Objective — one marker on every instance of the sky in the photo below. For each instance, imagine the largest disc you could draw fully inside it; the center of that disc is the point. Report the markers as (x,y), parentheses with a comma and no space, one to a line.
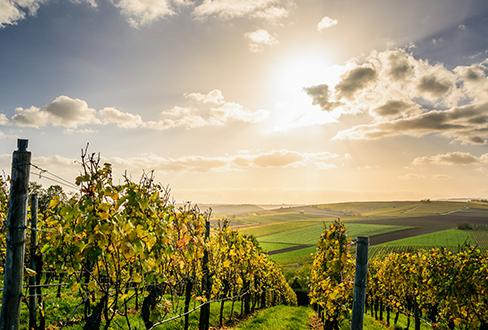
(253,101)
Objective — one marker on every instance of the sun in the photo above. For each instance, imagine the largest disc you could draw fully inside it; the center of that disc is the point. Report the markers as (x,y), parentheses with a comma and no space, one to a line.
(299,70)
(289,77)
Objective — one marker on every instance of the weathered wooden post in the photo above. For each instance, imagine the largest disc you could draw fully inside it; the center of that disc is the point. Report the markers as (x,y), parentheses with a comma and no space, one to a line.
(33,251)
(204,323)
(14,262)
(360,283)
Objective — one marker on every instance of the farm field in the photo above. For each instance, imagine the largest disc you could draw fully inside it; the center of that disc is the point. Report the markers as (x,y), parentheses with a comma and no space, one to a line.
(289,234)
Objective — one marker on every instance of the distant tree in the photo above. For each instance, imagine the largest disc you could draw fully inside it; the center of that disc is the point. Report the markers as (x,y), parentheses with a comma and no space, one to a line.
(44,196)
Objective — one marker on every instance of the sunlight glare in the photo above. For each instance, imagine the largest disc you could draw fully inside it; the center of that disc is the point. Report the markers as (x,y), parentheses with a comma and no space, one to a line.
(290,77)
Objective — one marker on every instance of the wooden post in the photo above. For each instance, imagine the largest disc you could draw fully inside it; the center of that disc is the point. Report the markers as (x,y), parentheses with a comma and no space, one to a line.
(360,283)
(33,256)
(14,262)
(204,323)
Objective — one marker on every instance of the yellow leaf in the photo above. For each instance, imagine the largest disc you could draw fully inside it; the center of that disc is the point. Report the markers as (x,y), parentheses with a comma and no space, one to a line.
(137,278)
(29,272)
(75,287)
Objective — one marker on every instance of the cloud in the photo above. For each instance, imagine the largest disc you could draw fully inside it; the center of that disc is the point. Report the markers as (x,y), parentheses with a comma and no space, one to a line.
(112,116)
(401,65)
(194,163)
(355,80)
(465,124)
(63,111)
(3,119)
(435,85)
(12,11)
(451,158)
(199,110)
(229,9)
(325,23)
(209,109)
(396,109)
(139,13)
(143,12)
(260,39)
(320,96)
(213,97)
(405,95)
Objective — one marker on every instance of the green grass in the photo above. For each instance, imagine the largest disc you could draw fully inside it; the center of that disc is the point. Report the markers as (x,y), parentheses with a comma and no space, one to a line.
(296,318)
(444,238)
(310,234)
(275,228)
(480,237)
(58,310)
(371,324)
(271,246)
(279,318)
(298,257)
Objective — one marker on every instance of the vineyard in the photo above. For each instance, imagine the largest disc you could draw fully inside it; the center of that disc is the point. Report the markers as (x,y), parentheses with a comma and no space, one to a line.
(446,289)
(125,256)
(124,253)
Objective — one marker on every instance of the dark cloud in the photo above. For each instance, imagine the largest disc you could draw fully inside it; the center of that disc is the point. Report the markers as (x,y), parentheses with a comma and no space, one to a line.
(394,108)
(434,85)
(465,124)
(400,67)
(355,80)
(320,96)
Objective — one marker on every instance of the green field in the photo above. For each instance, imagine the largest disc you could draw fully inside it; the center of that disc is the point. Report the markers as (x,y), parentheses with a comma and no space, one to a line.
(310,234)
(444,238)
(301,225)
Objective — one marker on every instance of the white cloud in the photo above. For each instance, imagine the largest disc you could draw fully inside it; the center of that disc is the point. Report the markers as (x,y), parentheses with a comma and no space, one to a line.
(139,13)
(196,163)
(199,110)
(3,119)
(228,9)
(325,23)
(63,111)
(260,39)
(12,11)
(112,116)
(214,97)
(144,12)
(409,96)
(209,109)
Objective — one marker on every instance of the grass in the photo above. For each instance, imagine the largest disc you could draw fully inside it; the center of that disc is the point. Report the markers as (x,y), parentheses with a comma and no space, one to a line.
(294,257)
(58,310)
(271,246)
(297,318)
(444,238)
(310,234)
(279,318)
(276,228)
